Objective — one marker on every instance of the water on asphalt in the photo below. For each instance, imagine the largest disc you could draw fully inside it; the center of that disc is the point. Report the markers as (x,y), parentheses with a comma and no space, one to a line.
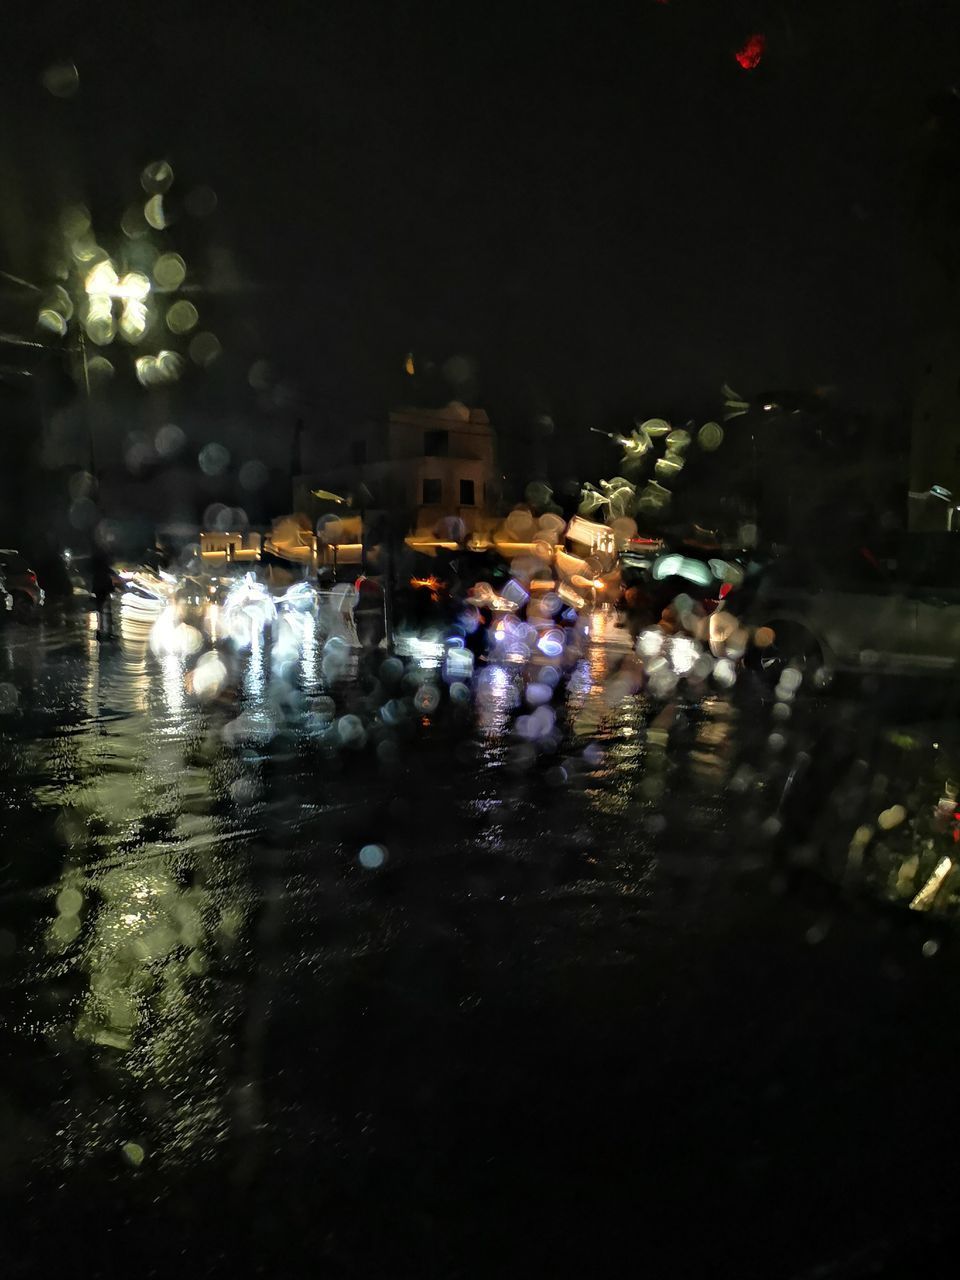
(291,987)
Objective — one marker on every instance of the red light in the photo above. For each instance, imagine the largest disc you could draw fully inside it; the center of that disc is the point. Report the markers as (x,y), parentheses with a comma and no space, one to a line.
(751,53)
(31,577)
(725,590)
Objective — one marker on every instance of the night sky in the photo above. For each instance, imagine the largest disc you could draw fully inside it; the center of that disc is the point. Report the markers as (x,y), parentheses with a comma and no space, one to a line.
(595,204)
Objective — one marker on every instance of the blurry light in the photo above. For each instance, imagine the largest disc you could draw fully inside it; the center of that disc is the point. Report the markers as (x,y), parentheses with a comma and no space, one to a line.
(656,427)
(133,320)
(669,465)
(84,248)
(372,856)
(677,566)
(710,436)
(101,279)
(169,440)
(209,676)
(52,320)
(75,221)
(100,328)
(134,285)
(751,53)
(154,214)
(61,79)
(157,177)
(408,365)
(204,349)
(891,817)
(683,654)
(134,224)
(169,271)
(169,366)
(213,459)
(924,899)
(146,367)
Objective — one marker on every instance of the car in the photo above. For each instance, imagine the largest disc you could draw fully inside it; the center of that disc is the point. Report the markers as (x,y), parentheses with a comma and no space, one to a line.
(21,583)
(849,610)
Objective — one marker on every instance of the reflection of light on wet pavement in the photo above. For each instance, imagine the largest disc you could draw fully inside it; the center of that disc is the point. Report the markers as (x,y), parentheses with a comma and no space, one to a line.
(254,684)
(308,654)
(497,695)
(173,695)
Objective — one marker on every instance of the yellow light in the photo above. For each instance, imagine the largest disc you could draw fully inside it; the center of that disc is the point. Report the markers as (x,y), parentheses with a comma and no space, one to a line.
(101,279)
(75,221)
(133,285)
(169,271)
(154,214)
(408,364)
(52,320)
(182,316)
(924,899)
(133,321)
(157,176)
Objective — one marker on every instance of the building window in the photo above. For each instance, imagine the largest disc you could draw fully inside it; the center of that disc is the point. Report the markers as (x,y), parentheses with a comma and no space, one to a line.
(436,444)
(432,493)
(358,452)
(466,493)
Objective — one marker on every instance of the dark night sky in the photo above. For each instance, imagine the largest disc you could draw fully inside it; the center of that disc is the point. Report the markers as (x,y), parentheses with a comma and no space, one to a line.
(594,202)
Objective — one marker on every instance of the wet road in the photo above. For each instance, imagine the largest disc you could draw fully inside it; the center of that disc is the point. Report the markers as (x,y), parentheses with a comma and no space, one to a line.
(292,987)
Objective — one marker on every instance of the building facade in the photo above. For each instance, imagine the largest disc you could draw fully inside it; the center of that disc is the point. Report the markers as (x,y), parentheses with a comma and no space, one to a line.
(424,465)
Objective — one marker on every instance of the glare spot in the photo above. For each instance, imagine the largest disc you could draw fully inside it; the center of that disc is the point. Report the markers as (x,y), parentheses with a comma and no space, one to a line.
(683,654)
(930,948)
(372,856)
(209,676)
